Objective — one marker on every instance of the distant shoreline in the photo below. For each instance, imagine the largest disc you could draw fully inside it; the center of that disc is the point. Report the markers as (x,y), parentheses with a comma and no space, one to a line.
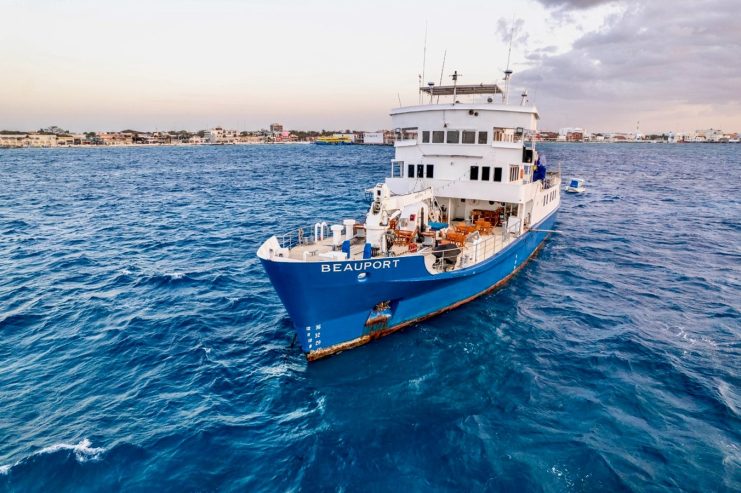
(235,144)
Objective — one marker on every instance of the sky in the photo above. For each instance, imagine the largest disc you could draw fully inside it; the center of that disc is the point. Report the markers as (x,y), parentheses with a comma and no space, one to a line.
(314,64)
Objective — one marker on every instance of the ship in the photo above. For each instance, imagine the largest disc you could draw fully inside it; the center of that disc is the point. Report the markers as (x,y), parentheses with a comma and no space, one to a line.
(468,200)
(337,139)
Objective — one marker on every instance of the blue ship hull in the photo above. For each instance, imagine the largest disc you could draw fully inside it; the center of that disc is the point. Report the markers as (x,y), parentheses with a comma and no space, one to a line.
(332,308)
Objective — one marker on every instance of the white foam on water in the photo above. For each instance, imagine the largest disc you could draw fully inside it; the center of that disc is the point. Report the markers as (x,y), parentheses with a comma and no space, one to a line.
(83,450)
(83,453)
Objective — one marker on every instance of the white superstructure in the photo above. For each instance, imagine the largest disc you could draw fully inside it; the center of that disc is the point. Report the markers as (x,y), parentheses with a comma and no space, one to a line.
(475,152)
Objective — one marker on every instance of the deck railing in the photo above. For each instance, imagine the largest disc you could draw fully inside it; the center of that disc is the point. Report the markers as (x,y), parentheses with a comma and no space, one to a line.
(296,236)
(475,252)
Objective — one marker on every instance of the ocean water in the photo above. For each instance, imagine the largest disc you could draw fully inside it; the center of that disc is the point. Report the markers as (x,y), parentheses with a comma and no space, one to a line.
(142,347)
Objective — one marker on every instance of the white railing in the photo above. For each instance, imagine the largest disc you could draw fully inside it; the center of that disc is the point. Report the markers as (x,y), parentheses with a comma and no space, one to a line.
(476,252)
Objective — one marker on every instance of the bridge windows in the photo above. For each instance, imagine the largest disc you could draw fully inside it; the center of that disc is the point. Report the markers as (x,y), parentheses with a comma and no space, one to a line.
(474,173)
(420,170)
(514,172)
(485,173)
(406,133)
(456,137)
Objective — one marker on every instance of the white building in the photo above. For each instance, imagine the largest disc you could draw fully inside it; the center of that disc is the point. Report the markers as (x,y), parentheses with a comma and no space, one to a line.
(220,135)
(373,138)
(707,135)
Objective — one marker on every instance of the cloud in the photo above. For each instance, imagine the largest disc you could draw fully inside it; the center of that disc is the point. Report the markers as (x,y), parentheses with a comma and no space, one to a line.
(573,4)
(650,57)
(514,29)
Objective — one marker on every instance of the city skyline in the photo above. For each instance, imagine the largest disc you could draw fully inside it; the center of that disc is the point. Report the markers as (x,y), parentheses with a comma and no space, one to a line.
(597,64)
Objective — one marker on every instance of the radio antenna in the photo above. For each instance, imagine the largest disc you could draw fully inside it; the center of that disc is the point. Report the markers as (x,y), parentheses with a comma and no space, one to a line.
(442,70)
(508,72)
(424,54)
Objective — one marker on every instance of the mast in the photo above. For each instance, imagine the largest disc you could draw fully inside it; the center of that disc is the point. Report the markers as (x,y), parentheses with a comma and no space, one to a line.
(508,72)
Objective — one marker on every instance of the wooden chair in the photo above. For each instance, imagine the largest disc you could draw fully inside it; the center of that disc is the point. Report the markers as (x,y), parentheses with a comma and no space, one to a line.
(458,238)
(465,229)
(483,227)
(404,237)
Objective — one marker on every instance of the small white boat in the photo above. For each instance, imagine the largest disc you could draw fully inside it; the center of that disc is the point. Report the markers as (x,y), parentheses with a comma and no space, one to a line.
(576,185)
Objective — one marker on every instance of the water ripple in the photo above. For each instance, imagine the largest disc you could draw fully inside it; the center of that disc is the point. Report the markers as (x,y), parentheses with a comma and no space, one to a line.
(143,345)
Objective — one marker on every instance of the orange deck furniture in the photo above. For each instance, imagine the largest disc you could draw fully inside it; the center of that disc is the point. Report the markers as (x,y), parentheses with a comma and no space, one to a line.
(483,227)
(404,237)
(465,229)
(458,238)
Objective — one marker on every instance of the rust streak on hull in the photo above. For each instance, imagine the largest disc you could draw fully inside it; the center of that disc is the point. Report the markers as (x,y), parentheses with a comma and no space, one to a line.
(323,353)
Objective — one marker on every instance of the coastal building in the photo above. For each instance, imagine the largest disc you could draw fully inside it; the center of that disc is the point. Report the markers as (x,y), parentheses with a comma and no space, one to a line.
(572,134)
(276,128)
(14,140)
(220,135)
(284,136)
(373,138)
(116,138)
(65,140)
(42,140)
(707,135)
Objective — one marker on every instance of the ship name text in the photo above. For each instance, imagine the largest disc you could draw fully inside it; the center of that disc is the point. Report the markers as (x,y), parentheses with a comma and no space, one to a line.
(361,266)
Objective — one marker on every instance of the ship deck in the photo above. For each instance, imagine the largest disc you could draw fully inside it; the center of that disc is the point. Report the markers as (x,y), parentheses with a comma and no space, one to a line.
(470,252)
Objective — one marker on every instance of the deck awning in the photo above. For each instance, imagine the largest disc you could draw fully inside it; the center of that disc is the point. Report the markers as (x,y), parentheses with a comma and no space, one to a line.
(462,89)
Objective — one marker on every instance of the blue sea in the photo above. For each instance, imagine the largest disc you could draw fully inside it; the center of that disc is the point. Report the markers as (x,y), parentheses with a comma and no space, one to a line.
(142,348)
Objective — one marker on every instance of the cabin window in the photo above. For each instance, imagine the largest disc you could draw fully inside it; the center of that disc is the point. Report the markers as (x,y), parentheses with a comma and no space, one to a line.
(497,174)
(430,171)
(410,171)
(420,171)
(474,173)
(514,172)
(438,137)
(453,137)
(485,172)
(425,136)
(406,133)
(483,137)
(469,137)
(503,134)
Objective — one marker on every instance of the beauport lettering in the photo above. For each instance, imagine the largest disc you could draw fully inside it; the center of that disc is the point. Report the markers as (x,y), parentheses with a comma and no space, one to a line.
(361,266)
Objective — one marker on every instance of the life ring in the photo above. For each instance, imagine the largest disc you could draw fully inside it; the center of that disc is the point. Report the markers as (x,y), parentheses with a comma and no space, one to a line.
(522,173)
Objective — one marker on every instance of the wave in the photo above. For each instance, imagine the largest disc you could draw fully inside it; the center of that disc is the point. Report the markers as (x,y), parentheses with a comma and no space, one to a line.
(82,452)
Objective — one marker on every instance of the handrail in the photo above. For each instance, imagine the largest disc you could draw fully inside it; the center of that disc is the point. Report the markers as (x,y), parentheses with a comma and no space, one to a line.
(474,254)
